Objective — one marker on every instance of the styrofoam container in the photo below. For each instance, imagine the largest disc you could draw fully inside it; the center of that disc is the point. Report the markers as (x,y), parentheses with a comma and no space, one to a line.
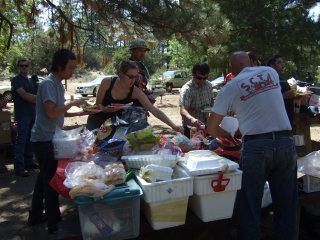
(209,204)
(205,159)
(138,161)
(203,164)
(309,184)
(115,216)
(165,203)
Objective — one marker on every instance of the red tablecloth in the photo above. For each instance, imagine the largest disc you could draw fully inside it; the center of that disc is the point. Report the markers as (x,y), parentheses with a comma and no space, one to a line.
(57,181)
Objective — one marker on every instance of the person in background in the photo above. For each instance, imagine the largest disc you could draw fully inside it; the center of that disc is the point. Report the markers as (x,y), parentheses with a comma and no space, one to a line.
(24,99)
(268,152)
(122,90)
(3,102)
(254,60)
(195,95)
(138,48)
(277,63)
(50,112)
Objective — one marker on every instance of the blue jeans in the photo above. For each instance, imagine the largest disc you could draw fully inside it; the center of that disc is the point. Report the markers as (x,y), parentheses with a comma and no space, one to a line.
(44,196)
(274,161)
(23,148)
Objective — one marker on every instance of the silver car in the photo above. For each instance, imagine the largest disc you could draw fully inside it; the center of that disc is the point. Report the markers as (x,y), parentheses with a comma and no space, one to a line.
(5,90)
(91,88)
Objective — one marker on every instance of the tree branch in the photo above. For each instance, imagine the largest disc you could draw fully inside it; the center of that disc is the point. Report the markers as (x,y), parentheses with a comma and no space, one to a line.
(62,14)
(11,30)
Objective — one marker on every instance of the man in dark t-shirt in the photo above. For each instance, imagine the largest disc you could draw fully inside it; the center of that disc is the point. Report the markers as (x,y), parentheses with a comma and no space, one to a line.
(288,94)
(24,98)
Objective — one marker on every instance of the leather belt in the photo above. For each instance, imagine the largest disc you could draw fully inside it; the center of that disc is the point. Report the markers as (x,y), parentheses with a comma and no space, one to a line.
(270,135)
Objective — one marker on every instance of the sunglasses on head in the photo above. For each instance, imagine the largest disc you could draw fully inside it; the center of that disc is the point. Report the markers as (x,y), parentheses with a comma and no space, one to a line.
(201,78)
(131,76)
(24,65)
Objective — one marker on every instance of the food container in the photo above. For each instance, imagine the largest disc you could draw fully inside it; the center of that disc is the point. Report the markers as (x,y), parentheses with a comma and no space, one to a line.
(201,162)
(165,203)
(115,216)
(138,161)
(157,173)
(214,195)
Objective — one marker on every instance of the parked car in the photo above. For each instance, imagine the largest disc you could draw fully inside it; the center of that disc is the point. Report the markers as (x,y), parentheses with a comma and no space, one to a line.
(5,90)
(217,85)
(91,88)
(171,79)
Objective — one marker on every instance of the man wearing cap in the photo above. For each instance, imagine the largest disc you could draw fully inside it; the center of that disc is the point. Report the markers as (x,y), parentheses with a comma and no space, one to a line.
(138,49)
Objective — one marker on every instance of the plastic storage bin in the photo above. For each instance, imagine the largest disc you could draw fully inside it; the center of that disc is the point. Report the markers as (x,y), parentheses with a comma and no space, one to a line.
(214,195)
(165,203)
(115,216)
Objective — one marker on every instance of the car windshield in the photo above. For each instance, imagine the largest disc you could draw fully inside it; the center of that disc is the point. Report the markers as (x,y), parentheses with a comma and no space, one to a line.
(98,80)
(168,74)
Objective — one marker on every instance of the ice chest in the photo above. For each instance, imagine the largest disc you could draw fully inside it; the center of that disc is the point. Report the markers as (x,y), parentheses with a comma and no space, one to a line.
(115,216)
(214,195)
(165,203)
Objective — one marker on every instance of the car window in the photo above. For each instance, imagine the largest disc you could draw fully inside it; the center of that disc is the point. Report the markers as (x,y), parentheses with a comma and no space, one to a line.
(98,80)
(168,74)
(178,75)
(184,74)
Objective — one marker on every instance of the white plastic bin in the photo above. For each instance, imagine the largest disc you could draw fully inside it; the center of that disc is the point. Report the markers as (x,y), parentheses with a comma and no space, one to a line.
(165,203)
(208,203)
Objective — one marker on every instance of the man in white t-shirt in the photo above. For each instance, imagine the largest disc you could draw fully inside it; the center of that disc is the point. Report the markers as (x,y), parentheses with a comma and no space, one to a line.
(268,152)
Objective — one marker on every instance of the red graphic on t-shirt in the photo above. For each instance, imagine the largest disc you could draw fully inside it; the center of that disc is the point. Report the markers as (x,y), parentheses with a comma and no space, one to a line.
(257,84)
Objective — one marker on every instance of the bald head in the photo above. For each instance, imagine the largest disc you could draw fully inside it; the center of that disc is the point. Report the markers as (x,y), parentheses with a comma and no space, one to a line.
(238,61)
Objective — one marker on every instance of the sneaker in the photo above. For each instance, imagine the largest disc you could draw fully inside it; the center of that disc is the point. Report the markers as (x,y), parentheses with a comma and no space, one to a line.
(32,166)
(22,174)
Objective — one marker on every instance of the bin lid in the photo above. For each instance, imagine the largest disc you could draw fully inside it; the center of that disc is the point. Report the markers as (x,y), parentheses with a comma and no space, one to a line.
(125,191)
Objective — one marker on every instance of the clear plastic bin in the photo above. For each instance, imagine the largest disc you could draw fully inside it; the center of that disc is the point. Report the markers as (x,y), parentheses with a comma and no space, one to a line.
(115,216)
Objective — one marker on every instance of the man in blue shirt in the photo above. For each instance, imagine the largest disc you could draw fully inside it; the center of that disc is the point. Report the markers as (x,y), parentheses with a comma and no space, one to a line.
(24,98)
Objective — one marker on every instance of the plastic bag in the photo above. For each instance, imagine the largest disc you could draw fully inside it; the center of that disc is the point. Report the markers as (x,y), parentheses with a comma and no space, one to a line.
(198,139)
(112,147)
(310,164)
(96,190)
(111,128)
(67,143)
(143,136)
(183,142)
(154,172)
(82,173)
(166,147)
(266,198)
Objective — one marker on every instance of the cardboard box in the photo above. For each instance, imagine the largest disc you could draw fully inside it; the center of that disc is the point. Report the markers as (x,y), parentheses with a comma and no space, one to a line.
(5,128)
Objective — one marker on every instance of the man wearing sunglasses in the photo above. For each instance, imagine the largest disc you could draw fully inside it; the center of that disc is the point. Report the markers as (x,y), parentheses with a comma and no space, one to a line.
(195,95)
(24,99)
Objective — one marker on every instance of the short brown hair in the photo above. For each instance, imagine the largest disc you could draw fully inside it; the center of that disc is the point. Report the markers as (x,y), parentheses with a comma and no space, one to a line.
(126,65)
(22,59)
